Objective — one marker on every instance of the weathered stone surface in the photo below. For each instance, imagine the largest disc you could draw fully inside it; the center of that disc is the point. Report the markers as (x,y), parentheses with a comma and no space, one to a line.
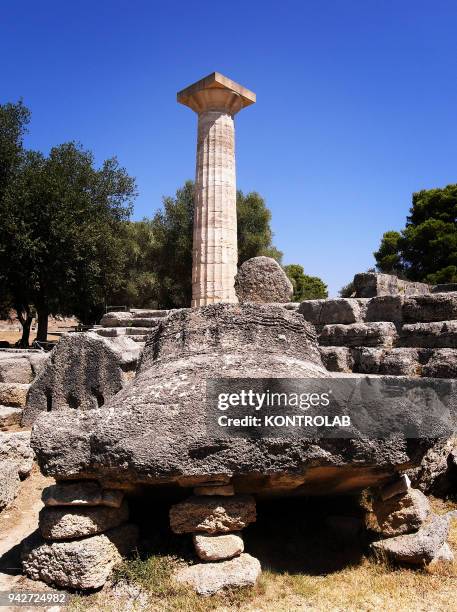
(441,364)
(84,371)
(210,578)
(81,493)
(15,447)
(9,482)
(416,548)
(443,556)
(370,284)
(430,335)
(337,358)
(216,548)
(155,429)
(400,362)
(116,319)
(329,311)
(13,394)
(15,370)
(80,564)
(222,490)
(400,486)
(432,307)
(261,279)
(399,514)
(212,514)
(9,416)
(385,308)
(76,522)
(359,334)
(433,475)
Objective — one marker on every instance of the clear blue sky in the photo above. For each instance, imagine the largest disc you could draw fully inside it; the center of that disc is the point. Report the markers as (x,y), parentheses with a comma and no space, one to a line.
(356,103)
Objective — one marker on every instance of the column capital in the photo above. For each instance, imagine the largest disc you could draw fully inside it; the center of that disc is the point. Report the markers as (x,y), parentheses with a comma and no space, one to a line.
(216,92)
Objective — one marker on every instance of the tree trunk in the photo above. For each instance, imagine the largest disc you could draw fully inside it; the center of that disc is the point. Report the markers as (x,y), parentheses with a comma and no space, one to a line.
(25,318)
(42,332)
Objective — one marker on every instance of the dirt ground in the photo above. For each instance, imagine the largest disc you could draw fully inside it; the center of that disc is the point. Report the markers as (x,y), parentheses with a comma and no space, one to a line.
(11,332)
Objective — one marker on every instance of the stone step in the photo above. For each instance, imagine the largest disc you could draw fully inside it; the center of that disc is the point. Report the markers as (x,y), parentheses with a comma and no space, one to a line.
(437,334)
(428,308)
(114,332)
(9,416)
(145,313)
(13,394)
(334,311)
(132,319)
(359,334)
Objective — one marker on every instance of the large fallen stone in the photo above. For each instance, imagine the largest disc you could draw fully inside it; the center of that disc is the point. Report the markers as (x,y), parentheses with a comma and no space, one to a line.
(84,372)
(415,548)
(15,447)
(337,310)
(75,522)
(212,514)
(9,482)
(399,514)
(218,547)
(81,493)
(430,335)
(155,429)
(79,564)
(210,578)
(9,416)
(261,279)
(370,284)
(13,394)
(359,334)
(441,364)
(432,307)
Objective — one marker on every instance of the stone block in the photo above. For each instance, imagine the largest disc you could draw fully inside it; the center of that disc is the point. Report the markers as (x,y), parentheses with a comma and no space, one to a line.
(210,578)
(261,279)
(359,334)
(398,487)
(9,482)
(400,362)
(441,364)
(218,547)
(81,493)
(116,319)
(80,564)
(75,522)
(428,308)
(15,370)
(13,394)
(337,358)
(338,310)
(399,514)
(367,360)
(15,447)
(213,514)
(9,416)
(223,490)
(415,548)
(371,284)
(429,335)
(385,308)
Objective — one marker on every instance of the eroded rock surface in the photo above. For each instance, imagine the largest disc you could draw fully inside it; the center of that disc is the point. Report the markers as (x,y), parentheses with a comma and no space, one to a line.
(218,547)
(213,514)
(261,279)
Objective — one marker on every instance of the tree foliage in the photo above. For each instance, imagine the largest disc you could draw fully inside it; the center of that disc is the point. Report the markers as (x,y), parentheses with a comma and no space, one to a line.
(255,236)
(305,287)
(426,249)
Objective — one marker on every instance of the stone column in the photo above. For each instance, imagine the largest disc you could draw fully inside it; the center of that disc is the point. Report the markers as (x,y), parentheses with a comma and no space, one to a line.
(216,99)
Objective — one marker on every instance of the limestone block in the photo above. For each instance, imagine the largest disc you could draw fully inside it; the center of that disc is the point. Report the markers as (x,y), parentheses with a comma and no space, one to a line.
(442,364)
(432,307)
(359,334)
(116,319)
(79,564)
(399,514)
(398,487)
(15,447)
(337,358)
(430,335)
(146,313)
(400,362)
(9,482)
(13,394)
(223,490)
(81,493)
(338,310)
(76,522)
(218,547)
(213,514)
(261,279)
(415,548)
(15,370)
(210,578)
(385,308)
(9,416)
(367,360)
(370,284)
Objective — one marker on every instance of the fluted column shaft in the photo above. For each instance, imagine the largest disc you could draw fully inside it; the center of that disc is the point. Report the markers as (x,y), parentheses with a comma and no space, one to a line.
(215,251)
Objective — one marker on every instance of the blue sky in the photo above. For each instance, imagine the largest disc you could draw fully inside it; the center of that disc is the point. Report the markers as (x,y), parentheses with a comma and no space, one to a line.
(356,103)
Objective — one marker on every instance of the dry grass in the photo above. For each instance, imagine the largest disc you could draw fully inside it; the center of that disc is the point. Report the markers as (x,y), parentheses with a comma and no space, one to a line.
(359,586)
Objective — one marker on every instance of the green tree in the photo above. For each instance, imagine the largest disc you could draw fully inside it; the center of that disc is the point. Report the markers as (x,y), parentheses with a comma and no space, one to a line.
(305,287)
(426,249)
(255,236)
(62,244)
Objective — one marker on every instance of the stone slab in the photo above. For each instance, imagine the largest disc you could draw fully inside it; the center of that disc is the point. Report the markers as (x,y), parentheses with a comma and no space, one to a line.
(428,308)
(337,358)
(429,335)
(13,394)
(15,370)
(212,514)
(219,547)
(399,514)
(359,334)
